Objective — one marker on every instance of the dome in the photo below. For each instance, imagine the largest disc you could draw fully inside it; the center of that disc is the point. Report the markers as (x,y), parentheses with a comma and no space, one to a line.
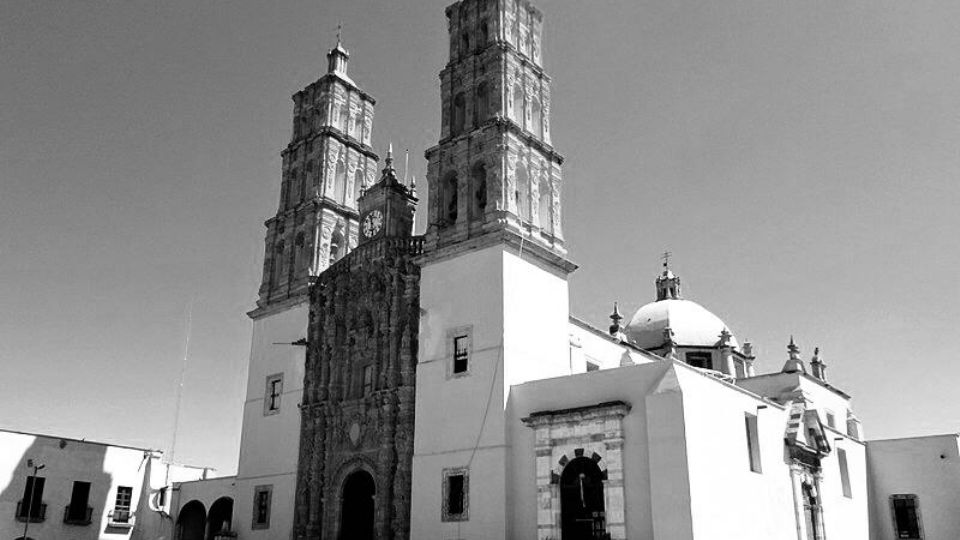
(692,325)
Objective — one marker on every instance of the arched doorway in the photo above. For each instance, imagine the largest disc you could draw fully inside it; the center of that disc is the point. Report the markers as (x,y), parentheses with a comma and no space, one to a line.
(581,501)
(192,521)
(220,517)
(356,507)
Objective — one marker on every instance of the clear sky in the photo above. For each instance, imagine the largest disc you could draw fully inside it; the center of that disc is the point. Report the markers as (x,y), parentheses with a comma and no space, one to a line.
(800,159)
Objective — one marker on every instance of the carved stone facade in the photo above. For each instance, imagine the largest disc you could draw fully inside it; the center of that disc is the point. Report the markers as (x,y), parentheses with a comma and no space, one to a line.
(326,166)
(494,168)
(358,396)
(594,432)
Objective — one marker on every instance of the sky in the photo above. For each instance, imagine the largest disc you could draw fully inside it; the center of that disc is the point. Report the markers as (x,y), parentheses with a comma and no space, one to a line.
(801,160)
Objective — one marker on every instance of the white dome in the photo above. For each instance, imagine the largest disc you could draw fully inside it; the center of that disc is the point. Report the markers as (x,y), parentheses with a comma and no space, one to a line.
(692,325)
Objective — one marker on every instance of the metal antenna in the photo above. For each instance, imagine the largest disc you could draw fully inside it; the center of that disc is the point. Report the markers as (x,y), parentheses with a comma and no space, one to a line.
(406,164)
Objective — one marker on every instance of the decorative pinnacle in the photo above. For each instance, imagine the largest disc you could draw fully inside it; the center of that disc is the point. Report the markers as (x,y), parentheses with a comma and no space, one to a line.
(389,159)
(666,260)
(339,31)
(793,350)
(615,316)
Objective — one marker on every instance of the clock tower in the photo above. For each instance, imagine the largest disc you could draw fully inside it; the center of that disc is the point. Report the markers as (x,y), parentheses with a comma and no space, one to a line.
(387,207)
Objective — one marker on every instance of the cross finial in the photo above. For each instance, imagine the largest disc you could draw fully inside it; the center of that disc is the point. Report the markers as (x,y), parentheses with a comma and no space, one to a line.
(339,31)
(666,259)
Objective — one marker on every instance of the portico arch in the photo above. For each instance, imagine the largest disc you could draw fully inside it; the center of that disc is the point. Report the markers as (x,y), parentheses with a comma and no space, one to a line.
(358,506)
(191,521)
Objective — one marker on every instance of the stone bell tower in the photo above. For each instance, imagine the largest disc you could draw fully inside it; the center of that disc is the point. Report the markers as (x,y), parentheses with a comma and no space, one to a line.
(494,168)
(326,164)
(494,297)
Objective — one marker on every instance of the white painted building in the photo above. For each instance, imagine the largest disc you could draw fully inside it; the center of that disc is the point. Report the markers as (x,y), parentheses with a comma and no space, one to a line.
(915,487)
(529,423)
(61,488)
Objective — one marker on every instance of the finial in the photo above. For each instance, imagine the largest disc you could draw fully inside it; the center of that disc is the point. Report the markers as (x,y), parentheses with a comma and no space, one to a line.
(615,329)
(794,363)
(670,344)
(339,31)
(389,159)
(668,285)
(666,261)
(413,182)
(615,316)
(725,336)
(817,366)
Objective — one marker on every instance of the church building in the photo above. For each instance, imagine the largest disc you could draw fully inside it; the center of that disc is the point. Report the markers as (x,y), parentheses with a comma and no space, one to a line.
(437,386)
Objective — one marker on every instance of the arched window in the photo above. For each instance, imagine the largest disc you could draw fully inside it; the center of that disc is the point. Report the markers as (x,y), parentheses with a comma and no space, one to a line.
(478,189)
(293,189)
(484,35)
(299,246)
(357,185)
(523,193)
(582,512)
(340,182)
(277,264)
(546,206)
(338,245)
(517,113)
(345,117)
(459,114)
(535,118)
(481,104)
(448,198)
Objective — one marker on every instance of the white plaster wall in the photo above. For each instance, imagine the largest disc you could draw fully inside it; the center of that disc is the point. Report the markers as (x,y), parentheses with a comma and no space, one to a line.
(724,491)
(105,467)
(462,291)
(629,384)
(269,445)
(597,346)
(519,317)
(928,467)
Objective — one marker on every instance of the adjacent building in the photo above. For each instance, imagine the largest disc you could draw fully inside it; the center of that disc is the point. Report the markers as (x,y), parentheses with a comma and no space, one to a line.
(55,487)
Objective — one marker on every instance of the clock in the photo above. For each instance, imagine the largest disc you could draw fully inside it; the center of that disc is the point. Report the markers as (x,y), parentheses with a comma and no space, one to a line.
(372,224)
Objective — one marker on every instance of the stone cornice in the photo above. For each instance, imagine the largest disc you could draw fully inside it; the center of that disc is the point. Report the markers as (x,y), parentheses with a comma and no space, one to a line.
(544,256)
(337,134)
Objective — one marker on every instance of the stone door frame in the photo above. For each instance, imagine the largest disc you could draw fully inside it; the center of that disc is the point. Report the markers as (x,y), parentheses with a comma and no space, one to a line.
(595,432)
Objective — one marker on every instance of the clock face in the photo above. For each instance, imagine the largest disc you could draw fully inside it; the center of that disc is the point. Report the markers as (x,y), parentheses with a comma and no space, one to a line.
(372,224)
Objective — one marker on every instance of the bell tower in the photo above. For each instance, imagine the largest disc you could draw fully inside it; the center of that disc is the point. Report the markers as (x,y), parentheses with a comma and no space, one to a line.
(326,165)
(495,171)
(494,297)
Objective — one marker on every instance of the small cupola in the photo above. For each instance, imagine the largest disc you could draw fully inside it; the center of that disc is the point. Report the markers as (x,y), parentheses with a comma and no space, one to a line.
(337,57)
(668,284)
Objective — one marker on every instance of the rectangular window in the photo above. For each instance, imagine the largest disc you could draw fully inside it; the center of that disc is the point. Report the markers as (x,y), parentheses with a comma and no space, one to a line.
(702,360)
(753,442)
(367,380)
(831,419)
(844,473)
(461,354)
(455,495)
(32,502)
(121,506)
(273,394)
(261,506)
(906,516)
(77,510)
